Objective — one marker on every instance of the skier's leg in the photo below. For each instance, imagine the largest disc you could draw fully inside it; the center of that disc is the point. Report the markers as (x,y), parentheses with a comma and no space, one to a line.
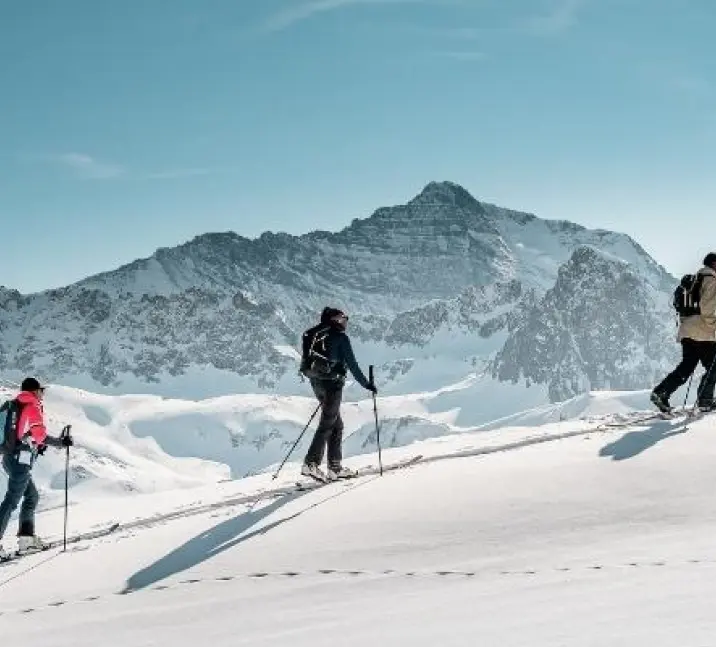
(329,412)
(335,440)
(27,510)
(18,477)
(681,374)
(705,396)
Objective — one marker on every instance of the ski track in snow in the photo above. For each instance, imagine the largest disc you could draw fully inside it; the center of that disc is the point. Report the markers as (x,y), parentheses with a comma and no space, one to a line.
(330,573)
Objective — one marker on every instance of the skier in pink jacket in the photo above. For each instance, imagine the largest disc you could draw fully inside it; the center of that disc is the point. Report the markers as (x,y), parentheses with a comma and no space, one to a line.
(25,438)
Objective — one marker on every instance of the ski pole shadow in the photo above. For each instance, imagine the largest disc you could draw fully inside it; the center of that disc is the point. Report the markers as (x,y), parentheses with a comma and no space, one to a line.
(220,538)
(634,443)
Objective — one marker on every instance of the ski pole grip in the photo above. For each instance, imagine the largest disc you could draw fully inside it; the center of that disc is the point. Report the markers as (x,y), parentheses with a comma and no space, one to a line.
(370,374)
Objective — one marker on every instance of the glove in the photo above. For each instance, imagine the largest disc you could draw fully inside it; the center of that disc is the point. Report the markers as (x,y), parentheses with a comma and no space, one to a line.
(41,449)
(66,437)
(372,387)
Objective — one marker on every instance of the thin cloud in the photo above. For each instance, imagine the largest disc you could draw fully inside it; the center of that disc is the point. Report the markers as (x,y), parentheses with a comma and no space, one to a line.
(300,12)
(563,15)
(179,173)
(458,34)
(87,167)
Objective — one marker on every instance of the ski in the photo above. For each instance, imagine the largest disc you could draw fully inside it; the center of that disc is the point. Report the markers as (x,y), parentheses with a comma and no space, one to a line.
(58,543)
(368,470)
(86,536)
(686,414)
(11,558)
(637,418)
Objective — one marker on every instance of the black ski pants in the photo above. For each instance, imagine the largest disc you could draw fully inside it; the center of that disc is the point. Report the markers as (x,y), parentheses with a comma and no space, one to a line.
(330,426)
(693,353)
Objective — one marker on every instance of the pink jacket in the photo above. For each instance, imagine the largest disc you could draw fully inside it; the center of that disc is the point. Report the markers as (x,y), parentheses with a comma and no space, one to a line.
(32,418)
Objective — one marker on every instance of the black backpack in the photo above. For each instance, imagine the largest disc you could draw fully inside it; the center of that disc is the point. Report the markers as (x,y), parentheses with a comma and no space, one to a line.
(688,294)
(9,416)
(315,362)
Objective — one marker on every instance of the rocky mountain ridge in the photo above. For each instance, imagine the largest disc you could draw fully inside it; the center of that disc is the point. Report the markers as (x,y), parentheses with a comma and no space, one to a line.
(442,278)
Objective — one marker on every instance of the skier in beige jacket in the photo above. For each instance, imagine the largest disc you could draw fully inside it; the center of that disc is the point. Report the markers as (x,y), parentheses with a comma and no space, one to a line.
(697,334)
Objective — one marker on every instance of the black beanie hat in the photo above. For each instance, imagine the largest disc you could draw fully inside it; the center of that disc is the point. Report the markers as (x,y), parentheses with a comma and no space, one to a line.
(710,259)
(31,384)
(328,314)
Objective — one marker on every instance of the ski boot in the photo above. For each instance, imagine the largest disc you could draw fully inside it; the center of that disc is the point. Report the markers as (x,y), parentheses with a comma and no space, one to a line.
(27,544)
(661,402)
(311,470)
(336,473)
(706,406)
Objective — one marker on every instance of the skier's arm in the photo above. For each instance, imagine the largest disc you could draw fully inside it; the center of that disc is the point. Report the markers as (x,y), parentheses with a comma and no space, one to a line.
(707,301)
(350,360)
(63,440)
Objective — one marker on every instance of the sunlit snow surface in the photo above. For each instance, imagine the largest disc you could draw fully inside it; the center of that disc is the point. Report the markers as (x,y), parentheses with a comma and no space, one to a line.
(539,533)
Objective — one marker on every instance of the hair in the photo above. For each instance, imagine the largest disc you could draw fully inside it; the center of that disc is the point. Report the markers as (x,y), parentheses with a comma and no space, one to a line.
(328,314)
(710,259)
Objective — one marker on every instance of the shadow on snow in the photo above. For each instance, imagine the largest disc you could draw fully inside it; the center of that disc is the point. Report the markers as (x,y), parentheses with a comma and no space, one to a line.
(222,537)
(634,443)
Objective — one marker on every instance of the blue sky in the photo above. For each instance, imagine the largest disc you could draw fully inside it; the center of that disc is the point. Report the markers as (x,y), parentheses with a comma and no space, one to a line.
(130,126)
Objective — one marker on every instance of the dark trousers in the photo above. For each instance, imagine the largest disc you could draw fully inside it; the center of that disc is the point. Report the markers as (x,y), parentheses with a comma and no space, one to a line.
(330,426)
(693,353)
(19,487)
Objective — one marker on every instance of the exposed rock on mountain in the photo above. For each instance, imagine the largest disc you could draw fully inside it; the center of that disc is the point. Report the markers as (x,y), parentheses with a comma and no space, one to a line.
(444,277)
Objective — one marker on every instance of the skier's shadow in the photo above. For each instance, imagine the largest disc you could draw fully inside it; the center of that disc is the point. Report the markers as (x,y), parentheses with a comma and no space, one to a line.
(634,443)
(209,543)
(221,537)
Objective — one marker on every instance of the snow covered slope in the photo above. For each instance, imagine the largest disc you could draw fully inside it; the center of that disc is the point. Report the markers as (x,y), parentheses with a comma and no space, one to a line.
(128,445)
(506,538)
(435,288)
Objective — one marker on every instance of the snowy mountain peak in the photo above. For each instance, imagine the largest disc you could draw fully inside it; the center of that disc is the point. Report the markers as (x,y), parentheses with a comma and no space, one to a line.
(446,194)
(223,313)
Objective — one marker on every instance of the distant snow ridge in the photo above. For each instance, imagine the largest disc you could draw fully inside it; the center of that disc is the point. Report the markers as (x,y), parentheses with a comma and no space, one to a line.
(439,288)
(108,459)
(133,445)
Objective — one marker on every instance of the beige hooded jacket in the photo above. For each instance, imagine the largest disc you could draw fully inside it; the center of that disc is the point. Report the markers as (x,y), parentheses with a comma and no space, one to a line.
(702,327)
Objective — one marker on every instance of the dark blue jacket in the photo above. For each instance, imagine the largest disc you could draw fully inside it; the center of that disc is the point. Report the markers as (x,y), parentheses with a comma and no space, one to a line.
(340,354)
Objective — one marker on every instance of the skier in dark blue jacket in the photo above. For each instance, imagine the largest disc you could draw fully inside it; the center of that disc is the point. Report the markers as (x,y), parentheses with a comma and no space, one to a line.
(328,356)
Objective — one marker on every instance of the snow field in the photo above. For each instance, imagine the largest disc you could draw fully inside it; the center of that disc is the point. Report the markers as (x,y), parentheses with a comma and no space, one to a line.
(598,538)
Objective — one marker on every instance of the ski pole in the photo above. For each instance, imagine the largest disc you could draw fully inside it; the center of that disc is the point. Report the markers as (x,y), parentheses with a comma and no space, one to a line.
(67,478)
(298,440)
(688,390)
(377,427)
